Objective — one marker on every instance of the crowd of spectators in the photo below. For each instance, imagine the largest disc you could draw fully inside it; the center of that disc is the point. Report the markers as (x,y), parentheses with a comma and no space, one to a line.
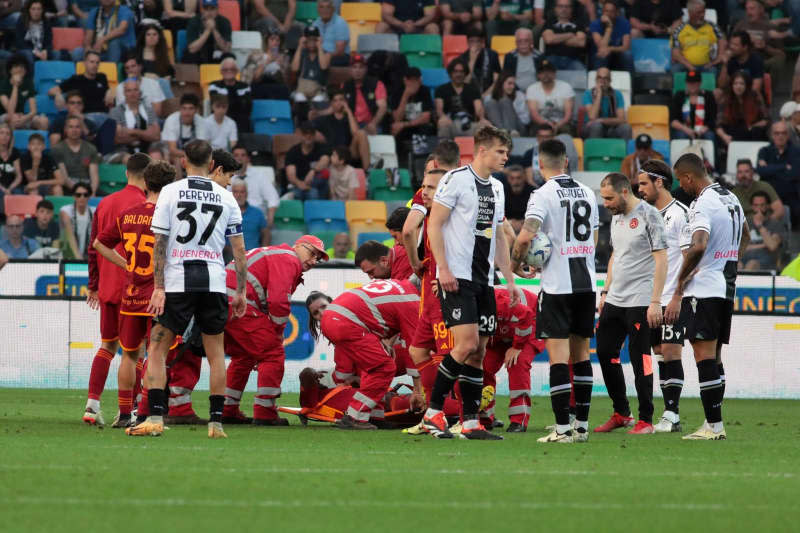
(340,96)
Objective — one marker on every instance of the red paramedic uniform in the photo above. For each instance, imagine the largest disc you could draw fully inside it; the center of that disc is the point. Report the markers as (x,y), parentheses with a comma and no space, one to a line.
(515,329)
(401,266)
(256,339)
(356,321)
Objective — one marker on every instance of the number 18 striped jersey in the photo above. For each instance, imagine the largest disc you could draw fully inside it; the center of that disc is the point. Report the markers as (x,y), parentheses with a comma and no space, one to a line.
(198,215)
(567,211)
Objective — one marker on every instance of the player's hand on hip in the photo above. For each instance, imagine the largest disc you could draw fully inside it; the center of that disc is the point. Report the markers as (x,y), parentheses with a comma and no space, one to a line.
(156,305)
(512,354)
(92,300)
(447,281)
(239,304)
(673,310)
(654,317)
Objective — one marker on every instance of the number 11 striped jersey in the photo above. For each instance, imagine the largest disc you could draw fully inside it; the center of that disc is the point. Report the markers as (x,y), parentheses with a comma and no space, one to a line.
(198,215)
(567,211)
(132,229)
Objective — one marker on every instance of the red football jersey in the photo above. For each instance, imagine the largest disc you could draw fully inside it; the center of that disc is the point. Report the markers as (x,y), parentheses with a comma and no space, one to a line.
(110,291)
(383,307)
(133,232)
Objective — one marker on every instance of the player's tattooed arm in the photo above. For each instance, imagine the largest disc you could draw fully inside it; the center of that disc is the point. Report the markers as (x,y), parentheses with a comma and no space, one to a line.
(745,241)
(159,259)
(520,249)
(692,258)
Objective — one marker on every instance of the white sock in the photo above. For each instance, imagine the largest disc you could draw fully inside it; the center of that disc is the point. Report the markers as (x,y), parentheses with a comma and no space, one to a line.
(94,405)
(584,425)
(716,427)
(562,428)
(472,423)
(672,416)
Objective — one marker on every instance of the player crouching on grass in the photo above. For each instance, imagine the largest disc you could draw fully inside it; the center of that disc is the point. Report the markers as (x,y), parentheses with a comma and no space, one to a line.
(256,338)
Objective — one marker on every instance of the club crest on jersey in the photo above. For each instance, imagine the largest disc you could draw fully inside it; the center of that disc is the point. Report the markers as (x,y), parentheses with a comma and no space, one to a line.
(457,314)
(634,223)
(693,303)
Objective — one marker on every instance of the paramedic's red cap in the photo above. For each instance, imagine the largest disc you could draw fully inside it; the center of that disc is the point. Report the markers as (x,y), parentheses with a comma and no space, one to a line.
(314,242)
(357,58)
(693,77)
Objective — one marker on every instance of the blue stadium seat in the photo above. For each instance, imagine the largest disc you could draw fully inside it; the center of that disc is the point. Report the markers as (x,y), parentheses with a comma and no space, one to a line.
(94,201)
(651,55)
(659,145)
(21,138)
(379,236)
(47,74)
(433,78)
(328,215)
(272,117)
(44,105)
(180,45)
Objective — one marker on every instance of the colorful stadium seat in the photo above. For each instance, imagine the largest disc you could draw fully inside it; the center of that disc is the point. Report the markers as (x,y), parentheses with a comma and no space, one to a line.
(369,43)
(503,44)
(44,105)
(106,67)
(21,138)
(306,12)
(381,189)
(180,45)
(578,143)
(326,236)
(743,150)
(326,215)
(290,216)
(112,177)
(272,117)
(379,236)
(361,191)
(452,47)
(365,212)
(59,202)
(422,50)
(361,19)
(47,74)
(67,38)
(230,10)
(604,155)
(650,119)
(285,236)
(659,145)
(21,204)
(651,55)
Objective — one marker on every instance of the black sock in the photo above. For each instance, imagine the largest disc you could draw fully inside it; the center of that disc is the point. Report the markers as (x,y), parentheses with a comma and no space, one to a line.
(673,385)
(559,392)
(615,383)
(710,390)
(582,382)
(155,399)
(217,403)
(722,377)
(470,383)
(449,370)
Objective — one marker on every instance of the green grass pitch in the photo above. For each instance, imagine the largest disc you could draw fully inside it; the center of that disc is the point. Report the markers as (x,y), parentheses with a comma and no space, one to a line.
(57,474)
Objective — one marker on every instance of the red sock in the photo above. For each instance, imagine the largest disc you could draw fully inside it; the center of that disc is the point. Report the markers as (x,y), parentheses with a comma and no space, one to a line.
(137,386)
(125,402)
(99,373)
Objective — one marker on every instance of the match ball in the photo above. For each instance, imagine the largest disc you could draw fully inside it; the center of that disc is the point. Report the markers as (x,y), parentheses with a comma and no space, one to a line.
(540,250)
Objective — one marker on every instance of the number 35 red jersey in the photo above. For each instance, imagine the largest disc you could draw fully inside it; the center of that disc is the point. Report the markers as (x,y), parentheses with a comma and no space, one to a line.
(133,231)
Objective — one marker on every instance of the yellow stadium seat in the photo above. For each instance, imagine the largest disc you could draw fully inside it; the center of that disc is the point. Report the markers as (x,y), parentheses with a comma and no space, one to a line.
(168,39)
(361,19)
(650,119)
(209,72)
(365,212)
(578,142)
(503,44)
(107,68)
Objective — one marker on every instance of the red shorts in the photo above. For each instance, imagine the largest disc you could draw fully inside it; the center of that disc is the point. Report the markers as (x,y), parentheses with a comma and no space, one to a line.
(133,331)
(252,336)
(109,321)
(432,333)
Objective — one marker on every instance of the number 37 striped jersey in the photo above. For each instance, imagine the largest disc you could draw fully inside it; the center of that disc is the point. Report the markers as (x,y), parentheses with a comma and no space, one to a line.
(197,214)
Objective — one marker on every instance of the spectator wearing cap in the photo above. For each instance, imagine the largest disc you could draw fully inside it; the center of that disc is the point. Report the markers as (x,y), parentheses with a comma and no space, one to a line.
(521,62)
(335,33)
(506,107)
(310,64)
(632,164)
(790,114)
(366,96)
(565,41)
(460,16)
(184,125)
(743,116)
(271,16)
(152,94)
(693,113)
(484,63)
(779,165)
(339,128)
(41,227)
(739,57)
(605,109)
(697,44)
(208,35)
(16,91)
(458,104)
(109,30)
(16,245)
(240,98)
(402,16)
(611,39)
(551,101)
(412,114)
(307,166)
(746,186)
(137,124)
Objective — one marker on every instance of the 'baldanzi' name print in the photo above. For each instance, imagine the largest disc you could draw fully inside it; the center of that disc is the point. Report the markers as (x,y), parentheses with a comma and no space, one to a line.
(137,219)
(203,196)
(572,192)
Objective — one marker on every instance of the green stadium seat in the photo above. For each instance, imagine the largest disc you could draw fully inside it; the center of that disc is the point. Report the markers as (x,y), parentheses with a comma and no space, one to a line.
(289,216)
(603,155)
(707,83)
(112,177)
(326,236)
(306,12)
(422,50)
(381,190)
(59,202)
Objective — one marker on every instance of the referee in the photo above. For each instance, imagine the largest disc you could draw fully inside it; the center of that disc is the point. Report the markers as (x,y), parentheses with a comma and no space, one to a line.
(631,300)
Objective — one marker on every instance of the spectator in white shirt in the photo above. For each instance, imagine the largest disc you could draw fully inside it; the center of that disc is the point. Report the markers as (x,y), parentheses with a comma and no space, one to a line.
(137,125)
(551,101)
(183,126)
(152,94)
(261,192)
(222,128)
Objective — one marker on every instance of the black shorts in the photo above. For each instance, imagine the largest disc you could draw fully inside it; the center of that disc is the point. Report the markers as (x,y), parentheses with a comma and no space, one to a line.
(209,309)
(562,315)
(616,323)
(708,318)
(473,303)
(669,333)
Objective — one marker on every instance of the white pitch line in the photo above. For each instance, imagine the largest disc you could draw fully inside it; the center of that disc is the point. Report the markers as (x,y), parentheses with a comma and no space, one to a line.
(394,504)
(442,471)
